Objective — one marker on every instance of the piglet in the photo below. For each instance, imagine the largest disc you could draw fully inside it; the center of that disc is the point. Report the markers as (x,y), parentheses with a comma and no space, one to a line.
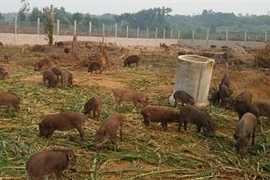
(93,104)
(62,122)
(159,114)
(10,99)
(108,128)
(50,161)
(245,129)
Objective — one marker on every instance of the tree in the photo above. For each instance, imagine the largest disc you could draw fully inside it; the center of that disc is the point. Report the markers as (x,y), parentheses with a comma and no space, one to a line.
(25,6)
(36,13)
(48,28)
(22,16)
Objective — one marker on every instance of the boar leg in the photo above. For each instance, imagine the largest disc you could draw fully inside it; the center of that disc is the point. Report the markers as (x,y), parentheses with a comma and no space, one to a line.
(164,125)
(117,102)
(121,134)
(94,114)
(146,121)
(80,130)
(58,174)
(199,126)
(185,124)
(253,138)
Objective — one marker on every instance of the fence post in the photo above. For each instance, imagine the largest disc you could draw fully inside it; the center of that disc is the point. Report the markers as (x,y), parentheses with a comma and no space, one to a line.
(265,36)
(147,33)
(127,32)
(75,27)
(227,34)
(138,32)
(245,36)
(207,37)
(116,30)
(178,35)
(38,24)
(164,33)
(193,36)
(103,30)
(90,28)
(15,29)
(58,27)
(156,33)
(171,33)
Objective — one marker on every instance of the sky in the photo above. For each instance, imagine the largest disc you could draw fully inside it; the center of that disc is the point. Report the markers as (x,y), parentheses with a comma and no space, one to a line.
(182,7)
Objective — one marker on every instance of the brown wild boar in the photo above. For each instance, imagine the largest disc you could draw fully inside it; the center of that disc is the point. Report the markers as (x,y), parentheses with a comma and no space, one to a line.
(62,122)
(225,95)
(10,99)
(51,78)
(159,114)
(244,96)
(242,107)
(1,44)
(108,128)
(264,108)
(3,73)
(59,44)
(202,120)
(245,129)
(93,104)
(129,95)
(40,64)
(133,59)
(94,66)
(57,71)
(67,50)
(215,97)
(226,80)
(50,161)
(66,78)
(183,97)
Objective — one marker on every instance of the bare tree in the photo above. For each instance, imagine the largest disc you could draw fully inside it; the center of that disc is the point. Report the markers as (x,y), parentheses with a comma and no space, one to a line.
(25,6)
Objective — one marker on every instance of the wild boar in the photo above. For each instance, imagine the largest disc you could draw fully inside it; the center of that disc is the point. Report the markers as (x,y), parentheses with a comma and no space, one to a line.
(159,114)
(244,96)
(94,66)
(10,99)
(215,97)
(129,95)
(51,78)
(202,120)
(67,50)
(133,59)
(226,80)
(40,64)
(3,73)
(264,108)
(225,95)
(62,122)
(183,97)
(57,71)
(245,129)
(59,44)
(93,104)
(108,128)
(242,107)
(66,78)
(50,161)
(1,44)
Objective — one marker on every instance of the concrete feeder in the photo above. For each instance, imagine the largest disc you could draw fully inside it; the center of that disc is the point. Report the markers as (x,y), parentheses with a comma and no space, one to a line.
(193,75)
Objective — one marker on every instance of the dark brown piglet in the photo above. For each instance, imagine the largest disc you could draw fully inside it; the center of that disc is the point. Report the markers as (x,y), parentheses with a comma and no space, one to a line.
(50,77)
(129,95)
(62,122)
(159,114)
(183,97)
(10,99)
(202,120)
(93,104)
(40,64)
(242,107)
(226,80)
(245,129)
(67,50)
(133,59)
(244,96)
(108,128)
(57,71)
(225,95)
(95,66)
(50,161)
(264,108)
(3,73)
(66,78)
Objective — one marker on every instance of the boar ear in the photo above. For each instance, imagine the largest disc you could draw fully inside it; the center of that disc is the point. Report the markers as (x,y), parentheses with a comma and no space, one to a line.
(69,155)
(235,136)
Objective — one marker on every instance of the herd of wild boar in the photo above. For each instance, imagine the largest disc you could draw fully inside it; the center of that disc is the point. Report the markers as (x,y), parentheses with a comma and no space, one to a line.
(57,160)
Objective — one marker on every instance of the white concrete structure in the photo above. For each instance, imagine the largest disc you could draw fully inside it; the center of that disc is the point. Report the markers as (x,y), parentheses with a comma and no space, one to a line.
(193,75)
